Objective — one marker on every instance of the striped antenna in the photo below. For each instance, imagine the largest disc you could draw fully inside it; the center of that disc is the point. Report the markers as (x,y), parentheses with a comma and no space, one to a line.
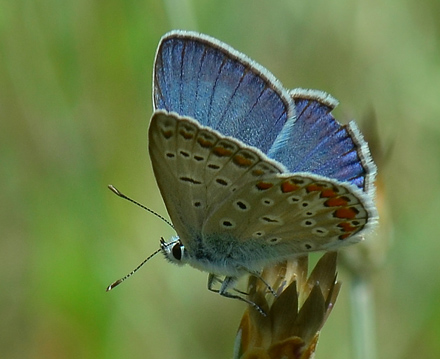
(120,194)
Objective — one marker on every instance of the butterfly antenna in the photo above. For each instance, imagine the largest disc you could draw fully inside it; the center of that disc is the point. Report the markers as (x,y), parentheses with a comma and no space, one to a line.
(120,194)
(119,281)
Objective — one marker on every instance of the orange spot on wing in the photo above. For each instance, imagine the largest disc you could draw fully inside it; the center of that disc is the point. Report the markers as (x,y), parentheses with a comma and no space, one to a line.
(242,161)
(258,172)
(328,193)
(347,213)
(186,135)
(288,186)
(337,202)
(347,227)
(221,151)
(264,185)
(205,143)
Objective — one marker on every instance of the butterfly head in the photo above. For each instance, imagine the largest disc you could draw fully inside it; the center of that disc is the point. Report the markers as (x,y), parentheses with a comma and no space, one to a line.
(174,250)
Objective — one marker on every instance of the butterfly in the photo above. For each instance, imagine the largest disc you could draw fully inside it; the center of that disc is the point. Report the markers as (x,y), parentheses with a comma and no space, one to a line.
(251,173)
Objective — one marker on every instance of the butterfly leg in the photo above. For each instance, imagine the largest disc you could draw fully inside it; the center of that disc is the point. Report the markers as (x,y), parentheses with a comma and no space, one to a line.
(216,279)
(268,286)
(227,283)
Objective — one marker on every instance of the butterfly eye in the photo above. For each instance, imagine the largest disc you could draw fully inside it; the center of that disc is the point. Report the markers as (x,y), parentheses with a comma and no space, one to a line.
(177,251)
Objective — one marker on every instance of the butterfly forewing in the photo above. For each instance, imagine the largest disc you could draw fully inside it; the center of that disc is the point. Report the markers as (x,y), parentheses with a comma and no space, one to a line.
(196,168)
(200,77)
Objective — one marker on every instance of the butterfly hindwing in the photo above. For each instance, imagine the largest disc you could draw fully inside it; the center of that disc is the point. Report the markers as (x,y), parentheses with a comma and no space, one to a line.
(319,144)
(297,213)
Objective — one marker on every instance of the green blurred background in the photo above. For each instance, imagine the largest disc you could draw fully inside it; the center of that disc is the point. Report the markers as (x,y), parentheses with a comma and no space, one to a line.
(75,100)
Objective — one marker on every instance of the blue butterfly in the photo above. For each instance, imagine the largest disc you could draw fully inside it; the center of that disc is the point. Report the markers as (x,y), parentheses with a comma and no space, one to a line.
(251,174)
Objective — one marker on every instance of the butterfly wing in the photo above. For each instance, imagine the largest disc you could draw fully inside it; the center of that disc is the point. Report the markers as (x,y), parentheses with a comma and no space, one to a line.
(196,168)
(198,76)
(292,214)
(319,144)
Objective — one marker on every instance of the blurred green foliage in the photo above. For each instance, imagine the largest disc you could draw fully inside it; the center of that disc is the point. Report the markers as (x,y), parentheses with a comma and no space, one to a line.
(75,90)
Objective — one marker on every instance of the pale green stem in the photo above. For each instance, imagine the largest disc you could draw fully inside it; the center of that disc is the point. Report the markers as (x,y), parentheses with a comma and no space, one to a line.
(362,319)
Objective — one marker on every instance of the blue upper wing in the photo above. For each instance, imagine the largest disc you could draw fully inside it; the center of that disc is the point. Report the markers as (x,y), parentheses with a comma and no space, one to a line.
(317,143)
(200,77)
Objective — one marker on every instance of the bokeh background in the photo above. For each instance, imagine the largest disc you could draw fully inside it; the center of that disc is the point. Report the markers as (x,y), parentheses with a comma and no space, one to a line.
(75,101)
